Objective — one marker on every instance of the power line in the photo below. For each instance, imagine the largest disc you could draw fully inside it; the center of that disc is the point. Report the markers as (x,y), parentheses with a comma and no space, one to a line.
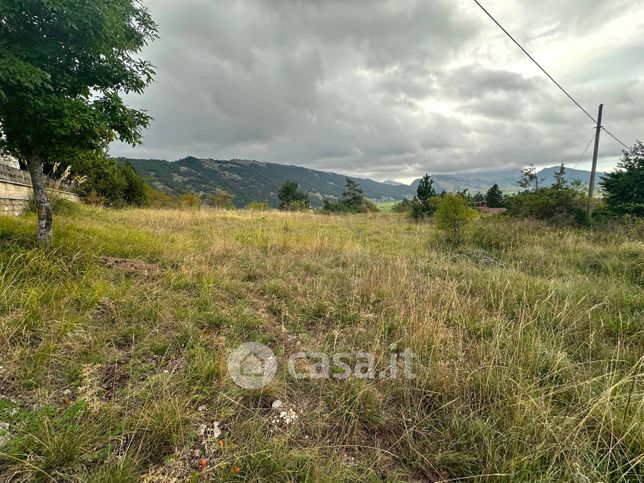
(547,74)
(614,137)
(585,151)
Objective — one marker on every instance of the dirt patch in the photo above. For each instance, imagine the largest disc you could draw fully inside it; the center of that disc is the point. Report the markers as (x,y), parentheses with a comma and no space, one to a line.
(128,265)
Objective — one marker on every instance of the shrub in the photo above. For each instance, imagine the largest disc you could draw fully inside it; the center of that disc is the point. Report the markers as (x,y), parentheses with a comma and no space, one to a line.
(189,200)
(291,197)
(353,201)
(564,206)
(159,199)
(453,215)
(258,206)
(221,199)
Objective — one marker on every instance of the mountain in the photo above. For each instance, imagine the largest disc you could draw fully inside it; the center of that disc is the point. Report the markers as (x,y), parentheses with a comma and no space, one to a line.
(258,181)
(391,182)
(254,180)
(481,181)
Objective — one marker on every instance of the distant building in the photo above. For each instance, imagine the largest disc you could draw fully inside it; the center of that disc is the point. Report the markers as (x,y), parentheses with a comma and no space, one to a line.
(9,161)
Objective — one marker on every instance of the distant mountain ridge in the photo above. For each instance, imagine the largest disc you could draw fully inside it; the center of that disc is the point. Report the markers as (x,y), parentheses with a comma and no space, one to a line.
(258,181)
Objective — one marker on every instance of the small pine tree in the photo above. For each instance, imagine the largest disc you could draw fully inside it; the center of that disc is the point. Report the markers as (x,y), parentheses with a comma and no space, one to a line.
(290,196)
(353,196)
(494,197)
(423,204)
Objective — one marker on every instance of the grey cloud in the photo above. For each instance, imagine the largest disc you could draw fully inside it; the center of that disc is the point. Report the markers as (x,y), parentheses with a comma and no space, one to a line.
(385,88)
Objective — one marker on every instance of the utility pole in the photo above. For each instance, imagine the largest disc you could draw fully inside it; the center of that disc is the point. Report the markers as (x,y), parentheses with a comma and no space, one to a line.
(591,187)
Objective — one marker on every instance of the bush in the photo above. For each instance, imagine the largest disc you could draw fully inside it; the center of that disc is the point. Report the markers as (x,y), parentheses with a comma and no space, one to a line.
(189,200)
(353,201)
(297,205)
(291,198)
(564,206)
(159,199)
(108,182)
(221,199)
(453,214)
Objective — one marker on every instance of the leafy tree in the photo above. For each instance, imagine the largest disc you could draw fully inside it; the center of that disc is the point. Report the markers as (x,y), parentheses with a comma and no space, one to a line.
(64,66)
(494,197)
(291,197)
(221,199)
(529,178)
(560,178)
(423,204)
(107,181)
(453,214)
(624,188)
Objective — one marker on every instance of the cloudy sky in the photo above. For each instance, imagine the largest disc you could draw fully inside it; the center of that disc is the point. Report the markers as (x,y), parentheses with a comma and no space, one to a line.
(390,89)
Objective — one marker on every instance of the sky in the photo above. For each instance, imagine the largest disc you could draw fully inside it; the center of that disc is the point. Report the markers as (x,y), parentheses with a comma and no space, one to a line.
(391,89)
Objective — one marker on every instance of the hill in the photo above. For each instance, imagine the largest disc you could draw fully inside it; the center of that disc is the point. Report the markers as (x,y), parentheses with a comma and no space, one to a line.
(254,180)
(258,181)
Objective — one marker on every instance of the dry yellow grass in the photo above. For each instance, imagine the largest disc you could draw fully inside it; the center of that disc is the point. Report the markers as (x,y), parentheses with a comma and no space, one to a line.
(528,339)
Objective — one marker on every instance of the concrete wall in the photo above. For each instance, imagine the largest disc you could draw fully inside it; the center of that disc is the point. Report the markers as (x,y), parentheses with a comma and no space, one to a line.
(16,190)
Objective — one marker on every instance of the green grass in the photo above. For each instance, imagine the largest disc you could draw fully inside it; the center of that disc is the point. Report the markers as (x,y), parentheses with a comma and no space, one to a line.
(529,343)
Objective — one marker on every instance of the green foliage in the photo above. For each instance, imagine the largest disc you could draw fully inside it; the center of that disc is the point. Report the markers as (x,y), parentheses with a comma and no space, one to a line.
(624,188)
(453,215)
(404,206)
(563,206)
(529,178)
(221,199)
(353,201)
(494,197)
(560,181)
(424,203)
(189,200)
(291,198)
(65,64)
(156,198)
(107,181)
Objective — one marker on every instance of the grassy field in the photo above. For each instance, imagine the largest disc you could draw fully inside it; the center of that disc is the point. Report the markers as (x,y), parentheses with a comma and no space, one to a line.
(528,340)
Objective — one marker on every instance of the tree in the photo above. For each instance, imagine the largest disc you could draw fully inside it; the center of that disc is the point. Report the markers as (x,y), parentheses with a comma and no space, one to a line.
(221,199)
(423,204)
(529,178)
(453,215)
(291,197)
(494,197)
(560,178)
(64,66)
(353,201)
(624,188)
(353,196)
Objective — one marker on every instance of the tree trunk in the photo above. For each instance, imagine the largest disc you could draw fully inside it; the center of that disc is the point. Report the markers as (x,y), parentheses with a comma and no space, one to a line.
(41,199)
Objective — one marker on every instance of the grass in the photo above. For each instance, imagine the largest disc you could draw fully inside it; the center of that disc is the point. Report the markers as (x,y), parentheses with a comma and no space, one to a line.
(528,340)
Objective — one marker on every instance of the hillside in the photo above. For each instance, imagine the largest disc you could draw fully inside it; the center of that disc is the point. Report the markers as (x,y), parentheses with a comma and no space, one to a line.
(254,180)
(257,181)
(116,343)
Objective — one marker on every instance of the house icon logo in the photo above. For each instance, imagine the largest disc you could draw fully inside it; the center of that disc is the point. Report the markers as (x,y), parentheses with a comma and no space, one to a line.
(252,365)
